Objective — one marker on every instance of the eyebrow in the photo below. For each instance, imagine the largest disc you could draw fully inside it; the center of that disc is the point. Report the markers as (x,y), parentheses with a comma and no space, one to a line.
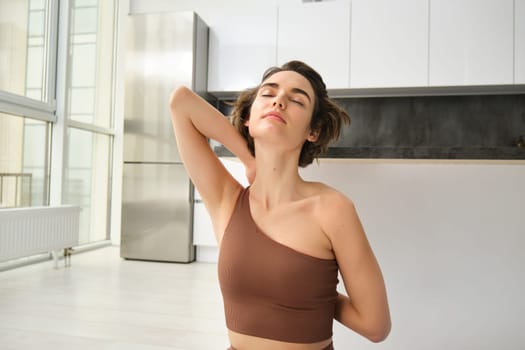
(294,90)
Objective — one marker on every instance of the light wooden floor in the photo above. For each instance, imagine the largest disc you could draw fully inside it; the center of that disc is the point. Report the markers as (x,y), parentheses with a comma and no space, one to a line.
(105,302)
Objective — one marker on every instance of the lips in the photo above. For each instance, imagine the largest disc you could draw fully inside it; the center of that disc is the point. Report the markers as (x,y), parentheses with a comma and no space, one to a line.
(275,116)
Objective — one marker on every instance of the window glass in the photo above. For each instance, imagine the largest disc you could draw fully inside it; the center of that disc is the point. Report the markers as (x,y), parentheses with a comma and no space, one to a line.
(85,20)
(37,23)
(80,3)
(83,63)
(90,83)
(24,161)
(86,181)
(37,4)
(89,100)
(82,103)
(23,38)
(35,58)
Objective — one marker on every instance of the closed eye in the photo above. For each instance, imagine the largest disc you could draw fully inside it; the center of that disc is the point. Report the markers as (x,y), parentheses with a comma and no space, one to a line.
(300,103)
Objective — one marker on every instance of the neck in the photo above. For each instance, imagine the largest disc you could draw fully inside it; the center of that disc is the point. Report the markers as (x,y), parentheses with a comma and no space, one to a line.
(277,178)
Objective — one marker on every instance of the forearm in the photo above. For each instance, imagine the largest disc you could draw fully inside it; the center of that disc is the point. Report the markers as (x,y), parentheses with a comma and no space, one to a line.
(374,328)
(346,313)
(190,109)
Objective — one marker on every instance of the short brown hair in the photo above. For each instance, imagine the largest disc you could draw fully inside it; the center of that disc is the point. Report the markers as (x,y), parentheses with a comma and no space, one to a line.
(327,117)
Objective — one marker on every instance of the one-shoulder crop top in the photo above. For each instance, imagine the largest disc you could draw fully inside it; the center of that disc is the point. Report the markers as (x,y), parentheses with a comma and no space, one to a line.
(271,290)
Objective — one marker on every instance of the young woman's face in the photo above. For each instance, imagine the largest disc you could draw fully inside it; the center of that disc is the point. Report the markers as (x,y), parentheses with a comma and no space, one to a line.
(283,106)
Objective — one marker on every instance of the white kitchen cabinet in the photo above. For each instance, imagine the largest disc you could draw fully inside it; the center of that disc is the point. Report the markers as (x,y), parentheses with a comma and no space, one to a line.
(242,46)
(202,227)
(203,234)
(389,43)
(318,34)
(519,42)
(471,42)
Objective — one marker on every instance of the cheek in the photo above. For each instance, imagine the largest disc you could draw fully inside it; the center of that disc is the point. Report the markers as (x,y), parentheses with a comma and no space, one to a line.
(308,116)
(256,105)
(257,108)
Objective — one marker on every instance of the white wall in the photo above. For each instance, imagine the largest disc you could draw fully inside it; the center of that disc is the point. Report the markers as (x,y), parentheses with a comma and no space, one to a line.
(449,237)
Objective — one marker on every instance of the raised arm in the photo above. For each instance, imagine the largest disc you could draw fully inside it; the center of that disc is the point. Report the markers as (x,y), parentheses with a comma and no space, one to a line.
(194,121)
(366,309)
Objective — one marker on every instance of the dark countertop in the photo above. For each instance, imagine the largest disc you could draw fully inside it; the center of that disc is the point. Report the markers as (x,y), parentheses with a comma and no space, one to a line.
(499,153)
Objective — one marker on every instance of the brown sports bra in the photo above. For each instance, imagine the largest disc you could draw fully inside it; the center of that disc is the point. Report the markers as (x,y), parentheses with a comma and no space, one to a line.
(271,290)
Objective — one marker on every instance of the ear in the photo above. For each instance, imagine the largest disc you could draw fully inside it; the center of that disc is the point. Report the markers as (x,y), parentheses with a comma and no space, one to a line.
(247,120)
(313,135)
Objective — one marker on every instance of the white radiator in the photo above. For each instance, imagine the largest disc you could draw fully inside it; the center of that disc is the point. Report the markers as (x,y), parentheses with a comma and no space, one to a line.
(34,230)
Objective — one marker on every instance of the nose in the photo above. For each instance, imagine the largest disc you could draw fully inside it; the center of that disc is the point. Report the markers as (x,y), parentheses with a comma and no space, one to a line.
(279,102)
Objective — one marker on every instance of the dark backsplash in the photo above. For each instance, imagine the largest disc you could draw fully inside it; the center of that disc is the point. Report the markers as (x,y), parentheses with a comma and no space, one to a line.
(464,127)
(432,127)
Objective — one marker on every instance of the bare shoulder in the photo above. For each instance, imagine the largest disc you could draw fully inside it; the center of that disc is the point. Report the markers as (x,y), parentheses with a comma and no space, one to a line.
(335,211)
(329,199)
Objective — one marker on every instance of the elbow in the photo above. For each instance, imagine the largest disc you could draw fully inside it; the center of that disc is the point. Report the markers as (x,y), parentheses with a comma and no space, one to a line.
(378,337)
(178,95)
(379,334)
(374,332)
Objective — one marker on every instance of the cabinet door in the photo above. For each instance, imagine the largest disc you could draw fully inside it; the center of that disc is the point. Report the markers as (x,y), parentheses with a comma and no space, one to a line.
(471,42)
(203,234)
(202,227)
(389,43)
(318,34)
(519,42)
(242,46)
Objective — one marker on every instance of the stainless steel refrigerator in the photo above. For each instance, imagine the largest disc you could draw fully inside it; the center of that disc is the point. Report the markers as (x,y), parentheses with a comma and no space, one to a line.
(163,51)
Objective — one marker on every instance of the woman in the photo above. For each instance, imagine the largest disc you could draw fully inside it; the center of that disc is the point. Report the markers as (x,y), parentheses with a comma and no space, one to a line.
(282,240)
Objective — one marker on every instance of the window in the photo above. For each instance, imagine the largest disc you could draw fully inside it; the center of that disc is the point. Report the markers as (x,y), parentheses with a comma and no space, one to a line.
(24,155)
(86,181)
(89,115)
(27,46)
(31,118)
(91,63)
(27,41)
